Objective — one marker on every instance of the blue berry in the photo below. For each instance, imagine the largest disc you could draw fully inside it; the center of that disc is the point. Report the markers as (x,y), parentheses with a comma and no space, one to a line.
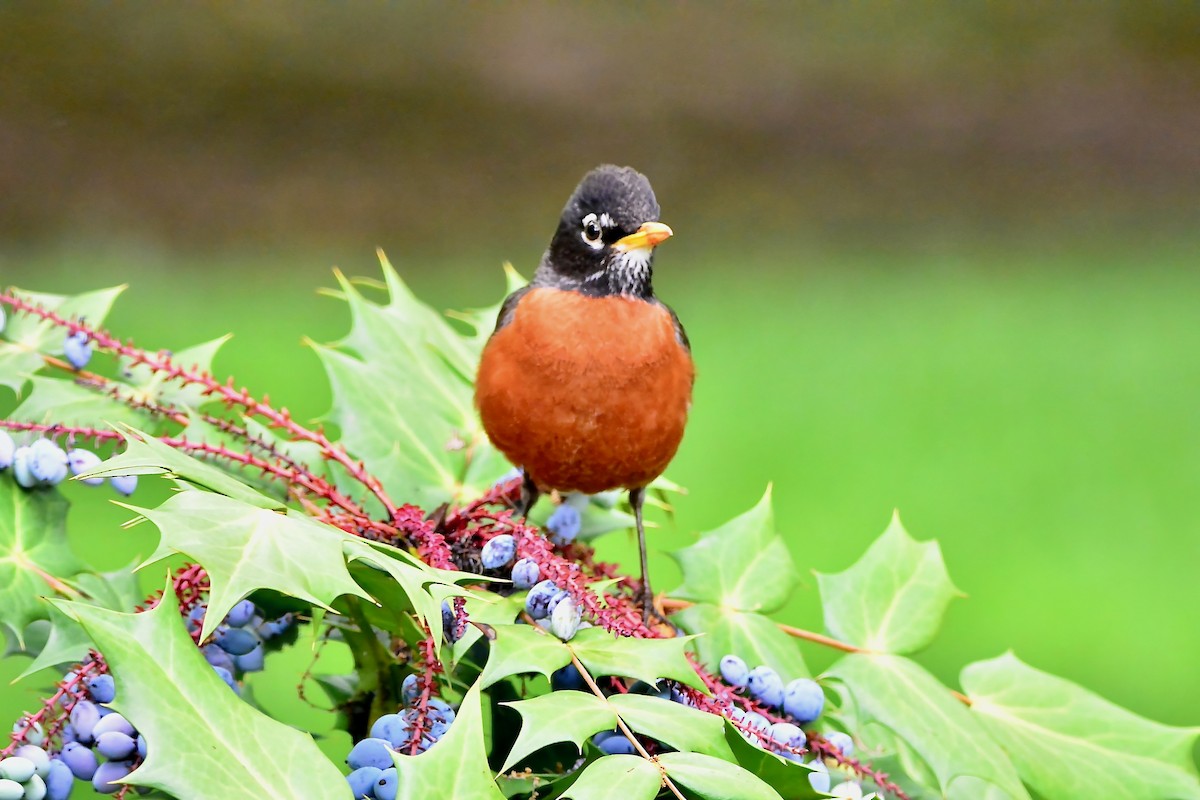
(59,780)
(227,676)
(101,688)
(77,349)
(734,671)
(766,685)
(564,524)
(108,772)
(617,746)
(371,753)
(525,573)
(818,779)
(390,728)
(498,551)
(565,619)
(388,784)
(362,781)
(537,603)
(3,319)
(20,467)
(275,627)
(235,641)
(47,462)
(115,745)
(39,757)
(35,788)
(84,716)
(252,661)
(7,448)
(80,759)
(217,657)
(566,678)
(17,769)
(80,460)
(841,741)
(786,733)
(240,615)
(113,722)
(141,747)
(11,790)
(449,623)
(124,484)
(440,709)
(410,689)
(803,700)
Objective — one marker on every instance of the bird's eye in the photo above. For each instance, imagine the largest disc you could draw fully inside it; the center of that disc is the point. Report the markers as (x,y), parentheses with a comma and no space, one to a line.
(592,232)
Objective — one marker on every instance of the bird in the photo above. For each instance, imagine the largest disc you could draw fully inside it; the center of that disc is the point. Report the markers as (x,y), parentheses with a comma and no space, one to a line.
(586,381)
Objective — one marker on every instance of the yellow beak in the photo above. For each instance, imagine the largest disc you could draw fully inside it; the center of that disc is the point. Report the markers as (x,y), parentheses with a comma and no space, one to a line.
(647,236)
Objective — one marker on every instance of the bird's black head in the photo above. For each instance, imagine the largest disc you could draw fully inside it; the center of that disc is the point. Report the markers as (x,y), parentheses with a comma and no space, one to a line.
(606,237)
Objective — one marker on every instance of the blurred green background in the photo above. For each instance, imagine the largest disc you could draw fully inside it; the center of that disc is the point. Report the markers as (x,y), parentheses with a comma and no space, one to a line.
(940,258)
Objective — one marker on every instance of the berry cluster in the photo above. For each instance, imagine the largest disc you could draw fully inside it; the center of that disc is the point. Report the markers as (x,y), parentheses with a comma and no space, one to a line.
(554,610)
(236,646)
(802,700)
(373,768)
(44,463)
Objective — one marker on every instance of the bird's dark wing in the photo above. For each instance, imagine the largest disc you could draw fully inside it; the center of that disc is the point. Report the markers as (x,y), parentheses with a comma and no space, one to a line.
(680,333)
(509,307)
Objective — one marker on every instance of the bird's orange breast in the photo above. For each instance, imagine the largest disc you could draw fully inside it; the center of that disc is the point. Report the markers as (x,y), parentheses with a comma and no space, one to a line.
(586,393)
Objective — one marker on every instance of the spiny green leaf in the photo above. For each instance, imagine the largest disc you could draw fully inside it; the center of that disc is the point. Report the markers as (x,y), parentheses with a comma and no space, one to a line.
(146,455)
(403,398)
(757,639)
(521,648)
(675,725)
(26,337)
(558,717)
(899,694)
(1071,744)
(456,766)
(68,643)
(714,779)
(742,565)
(146,384)
(643,659)
(205,742)
(64,402)
(245,548)
(892,599)
(617,778)
(33,549)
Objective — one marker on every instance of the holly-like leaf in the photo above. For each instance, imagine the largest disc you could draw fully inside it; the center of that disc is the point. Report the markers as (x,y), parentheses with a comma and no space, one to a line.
(897,693)
(891,600)
(685,729)
(617,778)
(558,717)
(456,766)
(204,741)
(742,565)
(1069,743)
(403,397)
(64,402)
(642,659)
(754,637)
(244,548)
(146,384)
(26,337)
(146,455)
(714,779)
(521,648)
(68,643)
(33,553)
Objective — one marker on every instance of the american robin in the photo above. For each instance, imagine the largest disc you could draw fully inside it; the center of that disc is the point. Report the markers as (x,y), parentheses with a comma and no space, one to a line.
(587,379)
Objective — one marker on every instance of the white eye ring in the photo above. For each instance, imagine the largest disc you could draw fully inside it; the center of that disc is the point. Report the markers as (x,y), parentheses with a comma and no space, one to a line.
(592,232)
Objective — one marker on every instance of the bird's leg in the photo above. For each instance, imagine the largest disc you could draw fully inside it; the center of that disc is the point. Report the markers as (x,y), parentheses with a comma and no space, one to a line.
(529,495)
(636,496)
